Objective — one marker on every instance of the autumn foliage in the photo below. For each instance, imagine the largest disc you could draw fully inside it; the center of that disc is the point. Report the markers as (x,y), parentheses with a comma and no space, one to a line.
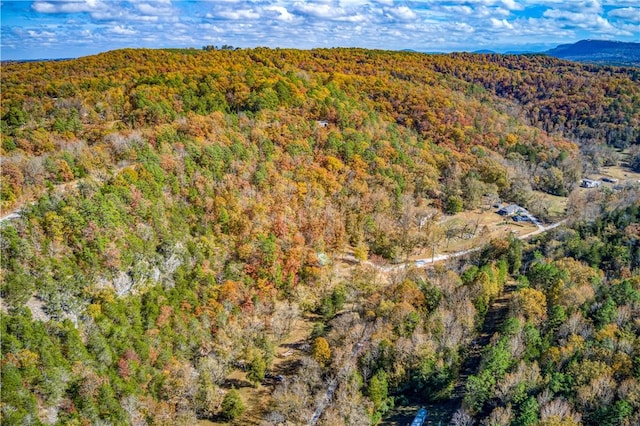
(182,211)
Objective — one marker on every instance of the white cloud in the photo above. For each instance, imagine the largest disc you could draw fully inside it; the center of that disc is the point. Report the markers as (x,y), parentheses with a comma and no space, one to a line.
(512,5)
(283,13)
(501,24)
(403,13)
(464,27)
(119,29)
(620,3)
(40,34)
(483,12)
(155,10)
(325,11)
(211,27)
(354,18)
(352,3)
(631,14)
(242,14)
(630,29)
(563,14)
(121,15)
(457,9)
(44,7)
(587,21)
(73,6)
(583,6)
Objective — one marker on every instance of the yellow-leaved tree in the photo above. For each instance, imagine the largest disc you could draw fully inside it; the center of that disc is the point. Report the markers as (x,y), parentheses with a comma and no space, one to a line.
(321,350)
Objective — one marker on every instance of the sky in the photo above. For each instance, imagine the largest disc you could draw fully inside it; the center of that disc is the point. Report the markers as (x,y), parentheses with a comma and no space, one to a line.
(43,29)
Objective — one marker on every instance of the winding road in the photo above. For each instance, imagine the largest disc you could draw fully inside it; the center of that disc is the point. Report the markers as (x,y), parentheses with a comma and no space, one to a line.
(13,215)
(434,259)
(429,260)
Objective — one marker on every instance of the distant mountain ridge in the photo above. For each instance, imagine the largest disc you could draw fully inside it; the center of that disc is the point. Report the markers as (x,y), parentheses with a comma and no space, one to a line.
(599,51)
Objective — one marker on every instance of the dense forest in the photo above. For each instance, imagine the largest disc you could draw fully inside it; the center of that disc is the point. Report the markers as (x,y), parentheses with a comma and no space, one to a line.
(181,210)
(568,352)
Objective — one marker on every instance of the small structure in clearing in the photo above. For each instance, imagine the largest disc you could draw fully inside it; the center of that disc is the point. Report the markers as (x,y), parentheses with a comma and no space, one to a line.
(589,183)
(510,210)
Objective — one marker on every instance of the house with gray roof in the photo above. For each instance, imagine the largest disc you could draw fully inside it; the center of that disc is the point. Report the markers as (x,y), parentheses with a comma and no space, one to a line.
(510,210)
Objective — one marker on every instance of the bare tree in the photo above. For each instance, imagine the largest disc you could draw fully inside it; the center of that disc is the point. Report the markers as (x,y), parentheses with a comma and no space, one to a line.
(560,410)
(575,324)
(283,319)
(214,368)
(131,405)
(292,400)
(598,393)
(500,416)
(462,418)
(527,375)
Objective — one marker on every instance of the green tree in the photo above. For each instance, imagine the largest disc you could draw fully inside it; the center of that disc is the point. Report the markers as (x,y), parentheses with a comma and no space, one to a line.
(232,405)
(378,391)
(528,412)
(454,204)
(514,255)
(479,390)
(18,403)
(257,368)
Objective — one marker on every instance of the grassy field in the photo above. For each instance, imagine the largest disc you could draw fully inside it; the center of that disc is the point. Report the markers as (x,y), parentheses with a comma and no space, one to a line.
(556,205)
(621,172)
(473,228)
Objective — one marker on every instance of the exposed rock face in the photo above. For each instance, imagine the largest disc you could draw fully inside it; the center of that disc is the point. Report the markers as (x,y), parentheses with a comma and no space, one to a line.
(145,272)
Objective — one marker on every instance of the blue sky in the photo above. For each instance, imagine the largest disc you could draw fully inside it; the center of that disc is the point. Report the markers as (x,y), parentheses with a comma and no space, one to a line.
(63,29)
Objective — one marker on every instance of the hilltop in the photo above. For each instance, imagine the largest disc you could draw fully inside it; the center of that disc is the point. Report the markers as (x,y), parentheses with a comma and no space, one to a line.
(599,51)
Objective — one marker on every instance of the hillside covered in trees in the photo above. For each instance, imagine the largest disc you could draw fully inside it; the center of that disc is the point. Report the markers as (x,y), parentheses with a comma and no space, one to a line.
(181,210)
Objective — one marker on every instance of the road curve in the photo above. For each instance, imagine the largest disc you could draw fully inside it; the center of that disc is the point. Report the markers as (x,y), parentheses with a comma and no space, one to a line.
(434,259)
(420,262)
(13,215)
